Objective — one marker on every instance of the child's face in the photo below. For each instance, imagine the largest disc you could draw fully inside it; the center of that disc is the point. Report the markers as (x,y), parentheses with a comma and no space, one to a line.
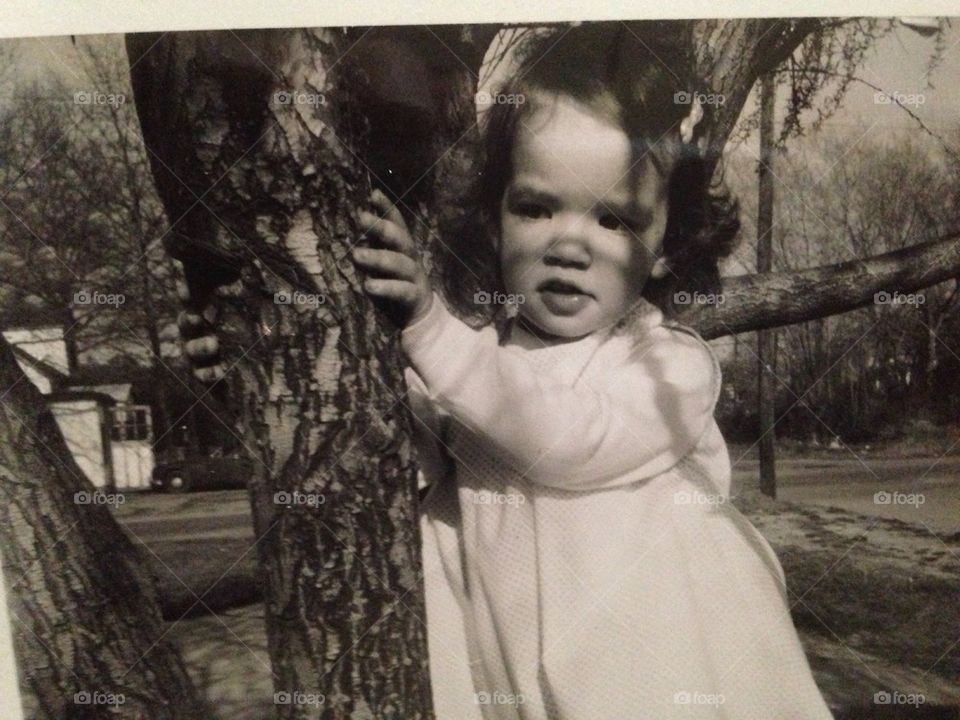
(582,220)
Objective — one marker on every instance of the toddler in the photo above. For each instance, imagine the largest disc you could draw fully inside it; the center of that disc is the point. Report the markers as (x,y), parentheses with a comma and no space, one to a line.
(581,559)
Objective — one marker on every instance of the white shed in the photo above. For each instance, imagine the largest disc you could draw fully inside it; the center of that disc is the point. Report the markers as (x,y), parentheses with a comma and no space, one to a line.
(83,418)
(109,436)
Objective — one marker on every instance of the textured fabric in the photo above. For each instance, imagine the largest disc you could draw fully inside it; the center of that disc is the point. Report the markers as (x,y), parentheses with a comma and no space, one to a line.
(581,558)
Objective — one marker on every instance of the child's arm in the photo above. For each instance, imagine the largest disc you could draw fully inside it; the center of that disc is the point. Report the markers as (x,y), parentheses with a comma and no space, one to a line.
(642,420)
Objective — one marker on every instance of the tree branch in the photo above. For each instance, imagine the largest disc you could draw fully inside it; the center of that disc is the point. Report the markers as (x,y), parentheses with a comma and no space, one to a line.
(758,302)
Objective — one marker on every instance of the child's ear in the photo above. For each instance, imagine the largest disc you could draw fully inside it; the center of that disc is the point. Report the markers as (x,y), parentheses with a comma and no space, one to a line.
(660,268)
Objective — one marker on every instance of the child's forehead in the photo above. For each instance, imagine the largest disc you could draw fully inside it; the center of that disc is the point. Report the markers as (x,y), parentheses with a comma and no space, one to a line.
(545,111)
(562,142)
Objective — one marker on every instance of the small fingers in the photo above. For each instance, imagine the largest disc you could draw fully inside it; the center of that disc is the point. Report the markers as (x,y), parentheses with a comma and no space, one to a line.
(401,291)
(392,234)
(387,208)
(389,262)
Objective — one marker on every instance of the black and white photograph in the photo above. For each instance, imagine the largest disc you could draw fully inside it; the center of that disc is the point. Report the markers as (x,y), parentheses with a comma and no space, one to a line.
(538,367)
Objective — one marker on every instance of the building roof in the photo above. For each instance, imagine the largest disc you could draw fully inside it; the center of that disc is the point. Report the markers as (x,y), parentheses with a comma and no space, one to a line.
(44,368)
(118,391)
(25,316)
(70,395)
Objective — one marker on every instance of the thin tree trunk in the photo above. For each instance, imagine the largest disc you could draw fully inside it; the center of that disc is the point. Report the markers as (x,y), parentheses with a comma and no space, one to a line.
(70,340)
(84,613)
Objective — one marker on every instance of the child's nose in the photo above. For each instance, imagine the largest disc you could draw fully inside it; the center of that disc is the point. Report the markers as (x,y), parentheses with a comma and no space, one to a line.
(570,247)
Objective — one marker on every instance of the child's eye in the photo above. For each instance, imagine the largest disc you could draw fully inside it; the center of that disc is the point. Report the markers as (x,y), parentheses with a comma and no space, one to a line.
(530,210)
(614,222)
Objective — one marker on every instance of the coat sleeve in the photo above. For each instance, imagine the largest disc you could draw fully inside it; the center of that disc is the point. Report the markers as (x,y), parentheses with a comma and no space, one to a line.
(637,421)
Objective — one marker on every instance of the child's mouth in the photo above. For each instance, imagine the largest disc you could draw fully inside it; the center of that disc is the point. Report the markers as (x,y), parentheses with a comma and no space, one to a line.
(562,298)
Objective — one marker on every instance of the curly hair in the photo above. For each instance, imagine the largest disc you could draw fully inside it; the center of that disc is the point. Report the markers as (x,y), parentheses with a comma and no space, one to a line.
(629,75)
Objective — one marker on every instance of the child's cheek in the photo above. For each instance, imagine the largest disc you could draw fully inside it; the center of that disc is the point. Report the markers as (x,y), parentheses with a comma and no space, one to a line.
(517,265)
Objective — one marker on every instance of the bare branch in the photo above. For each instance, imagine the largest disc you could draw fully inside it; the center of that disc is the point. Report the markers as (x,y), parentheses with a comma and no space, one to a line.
(758,302)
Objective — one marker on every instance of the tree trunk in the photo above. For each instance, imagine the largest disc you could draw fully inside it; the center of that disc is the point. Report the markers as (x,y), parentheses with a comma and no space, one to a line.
(263,144)
(728,58)
(83,610)
(70,340)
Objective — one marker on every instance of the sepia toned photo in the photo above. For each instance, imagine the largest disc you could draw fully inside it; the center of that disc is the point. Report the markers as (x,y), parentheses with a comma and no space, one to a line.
(555,370)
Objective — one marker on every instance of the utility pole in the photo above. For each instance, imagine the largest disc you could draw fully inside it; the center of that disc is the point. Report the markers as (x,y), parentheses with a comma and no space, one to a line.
(766,339)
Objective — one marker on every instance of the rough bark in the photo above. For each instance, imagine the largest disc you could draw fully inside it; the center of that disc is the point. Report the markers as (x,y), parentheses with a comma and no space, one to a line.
(248,174)
(83,609)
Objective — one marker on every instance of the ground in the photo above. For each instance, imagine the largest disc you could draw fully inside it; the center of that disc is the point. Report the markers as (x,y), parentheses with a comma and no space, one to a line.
(873,580)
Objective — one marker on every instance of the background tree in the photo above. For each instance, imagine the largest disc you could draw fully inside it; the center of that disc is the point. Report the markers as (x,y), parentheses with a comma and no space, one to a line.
(83,608)
(79,215)
(858,208)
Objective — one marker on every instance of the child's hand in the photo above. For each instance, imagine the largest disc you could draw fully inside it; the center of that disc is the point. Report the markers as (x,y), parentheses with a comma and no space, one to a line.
(397,274)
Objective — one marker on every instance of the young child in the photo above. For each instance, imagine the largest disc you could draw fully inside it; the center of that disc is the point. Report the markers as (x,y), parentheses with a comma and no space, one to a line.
(581,559)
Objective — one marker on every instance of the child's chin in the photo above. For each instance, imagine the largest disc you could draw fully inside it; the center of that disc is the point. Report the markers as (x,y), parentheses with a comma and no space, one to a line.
(555,326)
